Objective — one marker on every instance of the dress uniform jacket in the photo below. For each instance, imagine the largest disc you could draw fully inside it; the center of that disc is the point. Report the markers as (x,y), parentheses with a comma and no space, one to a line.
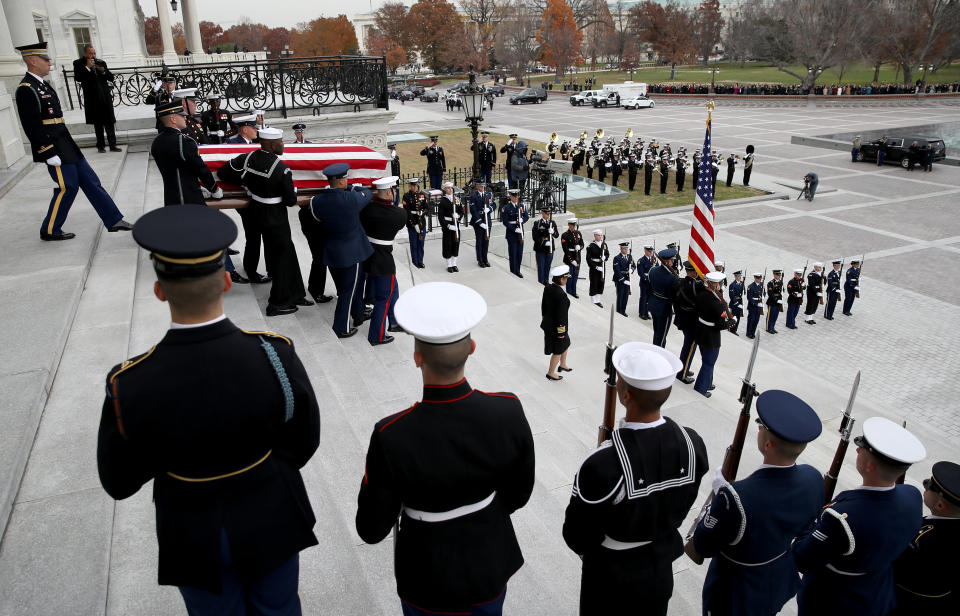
(507,150)
(543,234)
(629,497)
(436,161)
(457,447)
(685,302)
(395,164)
(182,169)
(513,216)
(42,119)
(195,131)
(622,264)
(487,154)
(381,221)
(481,210)
(554,310)
(662,282)
(644,265)
(449,212)
(925,574)
(755,296)
(794,292)
(712,319)
(597,256)
(774,292)
(339,211)
(215,121)
(814,291)
(833,283)
(736,297)
(748,533)
(847,556)
(852,282)
(223,448)
(572,244)
(416,211)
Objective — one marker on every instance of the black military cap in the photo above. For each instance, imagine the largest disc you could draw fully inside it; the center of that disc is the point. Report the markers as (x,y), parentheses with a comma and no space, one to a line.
(945,481)
(434,137)
(855,262)
(171,108)
(299,127)
(738,273)
(838,262)
(392,146)
(34,49)
(778,272)
(688,266)
(185,241)
(787,416)
(624,244)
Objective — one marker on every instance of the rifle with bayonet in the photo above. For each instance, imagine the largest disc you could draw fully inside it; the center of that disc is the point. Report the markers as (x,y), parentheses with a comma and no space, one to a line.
(839,284)
(631,267)
(763,290)
(731,459)
(803,280)
(846,428)
(859,273)
(610,397)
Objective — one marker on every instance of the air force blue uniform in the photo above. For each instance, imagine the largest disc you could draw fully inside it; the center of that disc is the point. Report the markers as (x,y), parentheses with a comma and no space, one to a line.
(754,307)
(662,280)
(481,219)
(850,287)
(644,265)
(833,293)
(736,303)
(622,266)
(513,216)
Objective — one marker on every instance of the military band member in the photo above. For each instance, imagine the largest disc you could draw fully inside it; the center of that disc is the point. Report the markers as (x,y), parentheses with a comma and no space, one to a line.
(851,287)
(664,175)
(924,574)
(543,233)
(814,292)
(633,167)
(601,164)
(696,163)
(644,265)
(833,290)
(681,173)
(346,245)
(794,297)
(487,156)
(632,493)
(565,150)
(572,244)
(455,546)
(752,522)
(184,173)
(731,168)
(774,300)
(269,182)
(246,130)
(713,317)
(736,301)
(685,305)
(662,283)
(513,215)
(436,162)
(231,507)
(507,150)
(481,219)
(748,165)
(50,142)
(623,266)
(847,555)
(416,208)
(577,157)
(597,256)
(552,150)
(381,221)
(754,304)
(648,168)
(591,161)
(217,123)
(555,323)
(449,213)
(615,169)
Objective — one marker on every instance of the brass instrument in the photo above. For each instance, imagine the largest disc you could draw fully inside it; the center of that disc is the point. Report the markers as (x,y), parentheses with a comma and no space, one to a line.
(584,135)
(629,134)
(554,137)
(599,134)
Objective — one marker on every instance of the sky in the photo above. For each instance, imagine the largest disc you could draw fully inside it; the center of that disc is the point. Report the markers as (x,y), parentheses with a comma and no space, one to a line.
(273,13)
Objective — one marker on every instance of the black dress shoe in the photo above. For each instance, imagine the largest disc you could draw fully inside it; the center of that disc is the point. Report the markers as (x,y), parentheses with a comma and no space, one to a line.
(367,313)
(711,388)
(102,150)
(810,322)
(257,278)
(828,318)
(848,314)
(395,328)
(352,331)
(238,279)
(57,237)
(733,332)
(518,274)
(645,317)
(791,327)
(322,299)
(707,394)
(386,340)
(114,148)
(771,331)
(575,295)
(420,265)
(456,269)
(232,251)
(275,311)
(598,305)
(449,270)
(686,380)
(123,225)
(486,264)
(303,301)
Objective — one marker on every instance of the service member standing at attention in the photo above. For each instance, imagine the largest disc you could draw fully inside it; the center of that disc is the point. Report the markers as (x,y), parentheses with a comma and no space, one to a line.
(664,174)
(814,293)
(754,304)
(662,282)
(269,182)
(543,234)
(632,493)
(846,557)
(752,522)
(554,309)
(481,219)
(736,301)
(217,123)
(731,168)
(714,317)
(185,175)
(794,297)
(455,549)
(685,305)
(774,300)
(347,246)
(622,267)
(232,509)
(572,243)
(299,132)
(436,162)
(513,216)
(395,167)
(413,203)
(748,165)
(644,265)
(597,256)
(382,220)
(487,155)
(507,150)
(246,130)
(42,120)
(449,212)
(833,290)
(851,287)
(927,583)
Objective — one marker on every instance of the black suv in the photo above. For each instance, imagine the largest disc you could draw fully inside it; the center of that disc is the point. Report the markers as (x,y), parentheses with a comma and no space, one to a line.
(496,90)
(898,149)
(530,95)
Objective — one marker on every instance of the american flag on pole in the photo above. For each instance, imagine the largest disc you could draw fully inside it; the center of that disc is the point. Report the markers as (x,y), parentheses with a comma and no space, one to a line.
(700,252)
(307,160)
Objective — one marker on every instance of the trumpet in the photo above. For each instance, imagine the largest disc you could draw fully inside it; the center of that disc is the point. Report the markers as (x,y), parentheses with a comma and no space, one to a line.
(629,134)
(599,134)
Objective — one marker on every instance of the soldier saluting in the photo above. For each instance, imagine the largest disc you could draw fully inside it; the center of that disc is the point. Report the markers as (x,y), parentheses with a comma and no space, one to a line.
(487,155)
(436,162)
(217,123)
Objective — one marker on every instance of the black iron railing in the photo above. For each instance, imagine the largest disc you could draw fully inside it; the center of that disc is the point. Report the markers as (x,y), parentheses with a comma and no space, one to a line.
(287,84)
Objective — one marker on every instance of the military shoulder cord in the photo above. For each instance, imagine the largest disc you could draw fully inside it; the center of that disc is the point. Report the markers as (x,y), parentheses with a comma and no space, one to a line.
(281,376)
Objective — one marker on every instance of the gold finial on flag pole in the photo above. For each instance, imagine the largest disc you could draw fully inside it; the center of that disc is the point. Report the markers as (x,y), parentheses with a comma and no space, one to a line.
(710,107)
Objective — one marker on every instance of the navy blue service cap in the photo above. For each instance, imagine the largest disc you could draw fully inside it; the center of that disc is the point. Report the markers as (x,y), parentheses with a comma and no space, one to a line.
(945,481)
(171,108)
(34,49)
(855,262)
(299,126)
(787,416)
(624,244)
(688,266)
(667,253)
(185,241)
(336,171)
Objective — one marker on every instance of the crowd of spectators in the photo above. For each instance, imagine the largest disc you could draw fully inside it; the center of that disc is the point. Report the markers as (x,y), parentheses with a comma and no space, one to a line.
(770,89)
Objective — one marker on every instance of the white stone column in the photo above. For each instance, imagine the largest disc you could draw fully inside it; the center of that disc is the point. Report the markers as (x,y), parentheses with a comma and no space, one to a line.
(191,27)
(166,35)
(11,70)
(19,21)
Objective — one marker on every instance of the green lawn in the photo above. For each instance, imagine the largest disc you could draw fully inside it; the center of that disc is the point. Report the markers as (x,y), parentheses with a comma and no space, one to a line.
(456,149)
(756,73)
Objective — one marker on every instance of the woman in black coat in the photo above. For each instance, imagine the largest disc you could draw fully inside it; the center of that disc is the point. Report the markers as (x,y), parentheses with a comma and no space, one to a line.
(554,308)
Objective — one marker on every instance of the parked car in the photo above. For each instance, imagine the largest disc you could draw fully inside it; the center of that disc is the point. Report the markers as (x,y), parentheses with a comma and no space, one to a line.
(608,98)
(530,95)
(583,98)
(458,87)
(430,96)
(638,102)
(898,149)
(407,95)
(417,90)
(496,90)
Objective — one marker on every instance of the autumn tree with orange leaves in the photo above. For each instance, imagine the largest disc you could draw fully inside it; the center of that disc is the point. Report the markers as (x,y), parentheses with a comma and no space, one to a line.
(559,36)
(325,36)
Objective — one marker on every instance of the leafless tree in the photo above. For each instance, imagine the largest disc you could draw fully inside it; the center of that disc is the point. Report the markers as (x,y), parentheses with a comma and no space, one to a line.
(516,46)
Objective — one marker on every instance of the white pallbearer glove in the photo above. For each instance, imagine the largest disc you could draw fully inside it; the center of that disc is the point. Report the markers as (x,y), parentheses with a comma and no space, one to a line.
(483,225)
(206,193)
(519,230)
(220,133)
(599,268)
(452,227)
(718,481)
(54,161)
(218,194)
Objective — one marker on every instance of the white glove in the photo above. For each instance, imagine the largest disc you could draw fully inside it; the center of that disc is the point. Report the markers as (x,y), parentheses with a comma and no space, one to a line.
(206,193)
(483,225)
(856,288)
(780,302)
(220,133)
(819,294)
(452,227)
(718,481)
(358,185)
(218,193)
(837,291)
(157,85)
(518,230)
(54,161)
(599,268)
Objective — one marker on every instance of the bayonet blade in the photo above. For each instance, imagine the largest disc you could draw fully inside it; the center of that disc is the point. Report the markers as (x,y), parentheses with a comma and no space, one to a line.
(753,359)
(610,341)
(853,395)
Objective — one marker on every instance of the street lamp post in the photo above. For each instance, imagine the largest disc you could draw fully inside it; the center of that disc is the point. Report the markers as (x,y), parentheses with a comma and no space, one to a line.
(713,76)
(472,98)
(924,73)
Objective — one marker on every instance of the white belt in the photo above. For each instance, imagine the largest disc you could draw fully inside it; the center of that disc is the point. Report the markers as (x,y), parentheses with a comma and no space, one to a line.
(766,562)
(269,200)
(443,516)
(835,570)
(374,240)
(708,323)
(613,544)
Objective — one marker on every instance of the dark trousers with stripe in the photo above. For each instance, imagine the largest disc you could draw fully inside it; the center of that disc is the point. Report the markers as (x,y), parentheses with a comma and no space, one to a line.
(349,283)
(313,231)
(280,255)
(623,296)
(848,297)
(772,313)
(831,304)
(753,319)
(688,350)
(708,359)
(275,594)
(71,177)
(792,311)
(416,246)
(572,280)
(482,244)
(661,324)
(385,294)
(544,260)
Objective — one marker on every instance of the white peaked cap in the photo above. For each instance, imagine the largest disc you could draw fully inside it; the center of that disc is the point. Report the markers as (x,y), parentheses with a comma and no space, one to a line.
(270,133)
(559,270)
(448,184)
(387,182)
(890,439)
(646,366)
(799,270)
(716,276)
(818,264)
(439,312)
(598,231)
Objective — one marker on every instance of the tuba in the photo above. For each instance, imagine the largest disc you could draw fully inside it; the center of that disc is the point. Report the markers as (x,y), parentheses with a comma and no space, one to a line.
(629,134)
(599,134)
(583,135)
(553,137)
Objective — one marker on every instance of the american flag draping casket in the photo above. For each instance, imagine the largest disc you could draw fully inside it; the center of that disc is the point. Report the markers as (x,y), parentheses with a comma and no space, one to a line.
(306,161)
